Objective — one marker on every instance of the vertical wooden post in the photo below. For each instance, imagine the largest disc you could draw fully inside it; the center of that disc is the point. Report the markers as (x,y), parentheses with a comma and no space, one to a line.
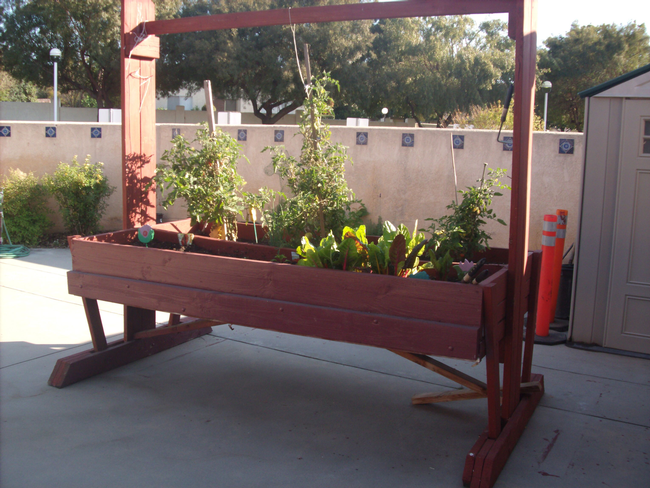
(209,105)
(525,18)
(138,73)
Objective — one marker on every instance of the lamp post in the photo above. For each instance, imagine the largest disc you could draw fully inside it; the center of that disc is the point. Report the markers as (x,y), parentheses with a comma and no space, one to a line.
(547,85)
(384,112)
(55,54)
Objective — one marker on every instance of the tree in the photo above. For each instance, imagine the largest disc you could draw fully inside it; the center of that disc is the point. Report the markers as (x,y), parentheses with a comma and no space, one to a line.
(585,57)
(87,33)
(428,68)
(12,90)
(259,64)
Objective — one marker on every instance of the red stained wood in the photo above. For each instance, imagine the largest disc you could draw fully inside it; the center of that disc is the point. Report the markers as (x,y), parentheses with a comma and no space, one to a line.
(176,328)
(329,13)
(500,451)
(95,324)
(525,59)
(534,265)
(138,121)
(89,363)
(428,300)
(331,323)
(136,320)
(136,47)
(470,460)
(491,303)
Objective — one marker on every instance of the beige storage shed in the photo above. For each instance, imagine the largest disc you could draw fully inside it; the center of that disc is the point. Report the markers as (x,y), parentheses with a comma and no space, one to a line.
(611,291)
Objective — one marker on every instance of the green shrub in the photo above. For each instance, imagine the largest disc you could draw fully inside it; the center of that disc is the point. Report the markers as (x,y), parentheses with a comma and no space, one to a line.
(81,192)
(321,198)
(206,178)
(24,207)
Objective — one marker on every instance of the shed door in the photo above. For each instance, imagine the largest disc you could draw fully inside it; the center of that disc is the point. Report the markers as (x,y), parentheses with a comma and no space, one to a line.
(628,311)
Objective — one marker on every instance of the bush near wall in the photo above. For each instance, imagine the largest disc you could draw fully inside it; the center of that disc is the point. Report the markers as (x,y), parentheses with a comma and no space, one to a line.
(25,208)
(81,192)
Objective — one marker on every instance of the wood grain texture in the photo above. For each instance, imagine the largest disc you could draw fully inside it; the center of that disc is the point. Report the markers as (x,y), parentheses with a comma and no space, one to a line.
(138,90)
(446,396)
(427,300)
(176,328)
(525,19)
(89,363)
(95,324)
(331,323)
(500,450)
(329,13)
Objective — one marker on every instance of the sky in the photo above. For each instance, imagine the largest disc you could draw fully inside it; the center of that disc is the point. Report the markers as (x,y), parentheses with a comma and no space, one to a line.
(556,16)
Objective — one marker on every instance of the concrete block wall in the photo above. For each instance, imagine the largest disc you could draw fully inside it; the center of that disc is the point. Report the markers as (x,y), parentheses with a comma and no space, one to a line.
(401,174)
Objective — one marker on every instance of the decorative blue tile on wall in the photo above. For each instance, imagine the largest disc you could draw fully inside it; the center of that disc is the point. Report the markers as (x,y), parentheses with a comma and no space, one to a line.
(242,134)
(408,140)
(50,132)
(176,133)
(459,142)
(95,132)
(5,131)
(279,136)
(507,143)
(362,138)
(566,146)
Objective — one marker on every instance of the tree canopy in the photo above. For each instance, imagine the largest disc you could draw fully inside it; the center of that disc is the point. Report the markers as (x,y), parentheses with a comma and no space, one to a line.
(587,56)
(87,33)
(428,68)
(258,64)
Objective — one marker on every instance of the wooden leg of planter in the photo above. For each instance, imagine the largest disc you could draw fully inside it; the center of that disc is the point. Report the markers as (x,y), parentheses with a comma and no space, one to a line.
(137,320)
(95,324)
(488,456)
(175,329)
(89,363)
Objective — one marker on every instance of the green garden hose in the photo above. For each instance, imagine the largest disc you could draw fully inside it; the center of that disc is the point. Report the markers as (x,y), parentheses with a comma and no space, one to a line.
(10,250)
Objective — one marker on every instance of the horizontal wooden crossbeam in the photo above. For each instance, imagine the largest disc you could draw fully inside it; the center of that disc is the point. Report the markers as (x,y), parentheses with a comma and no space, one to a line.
(327,13)
(175,329)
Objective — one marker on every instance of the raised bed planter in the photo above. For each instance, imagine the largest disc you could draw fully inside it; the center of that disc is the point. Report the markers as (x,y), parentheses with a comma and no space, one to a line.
(426,317)
(414,318)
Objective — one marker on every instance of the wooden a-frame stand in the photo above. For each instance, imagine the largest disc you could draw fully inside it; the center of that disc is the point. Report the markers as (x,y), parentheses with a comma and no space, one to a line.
(511,403)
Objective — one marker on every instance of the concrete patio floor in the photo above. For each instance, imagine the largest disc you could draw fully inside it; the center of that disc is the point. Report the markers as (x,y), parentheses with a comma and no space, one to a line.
(249,408)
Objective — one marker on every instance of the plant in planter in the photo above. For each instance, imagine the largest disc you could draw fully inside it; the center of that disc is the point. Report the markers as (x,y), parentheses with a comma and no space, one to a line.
(321,199)
(461,234)
(206,178)
(396,252)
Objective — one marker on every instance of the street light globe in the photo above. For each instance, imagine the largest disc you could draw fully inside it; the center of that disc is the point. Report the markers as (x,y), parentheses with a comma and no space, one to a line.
(547,85)
(384,110)
(55,53)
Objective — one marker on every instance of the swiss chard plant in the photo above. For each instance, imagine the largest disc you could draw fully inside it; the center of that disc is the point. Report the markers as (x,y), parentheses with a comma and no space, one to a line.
(351,254)
(397,252)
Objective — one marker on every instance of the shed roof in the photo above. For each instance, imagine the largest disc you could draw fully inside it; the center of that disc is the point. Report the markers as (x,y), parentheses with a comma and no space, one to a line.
(599,89)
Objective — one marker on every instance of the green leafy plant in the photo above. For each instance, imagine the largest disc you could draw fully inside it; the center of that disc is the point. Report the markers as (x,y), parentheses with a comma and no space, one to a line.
(321,199)
(397,251)
(351,254)
(24,205)
(440,266)
(461,233)
(206,178)
(81,190)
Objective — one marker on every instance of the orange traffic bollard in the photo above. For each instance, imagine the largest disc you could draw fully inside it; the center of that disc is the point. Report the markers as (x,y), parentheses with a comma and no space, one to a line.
(546,276)
(560,236)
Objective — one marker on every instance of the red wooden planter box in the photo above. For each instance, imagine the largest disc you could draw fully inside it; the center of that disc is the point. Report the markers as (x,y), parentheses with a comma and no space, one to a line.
(427,317)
